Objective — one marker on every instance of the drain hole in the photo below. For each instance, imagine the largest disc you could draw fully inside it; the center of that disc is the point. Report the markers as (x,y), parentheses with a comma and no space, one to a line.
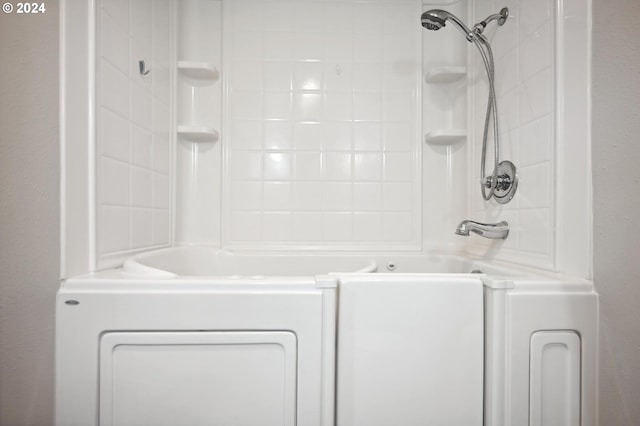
(391,266)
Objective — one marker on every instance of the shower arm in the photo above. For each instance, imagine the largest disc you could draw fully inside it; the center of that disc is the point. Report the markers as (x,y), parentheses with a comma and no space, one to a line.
(501,17)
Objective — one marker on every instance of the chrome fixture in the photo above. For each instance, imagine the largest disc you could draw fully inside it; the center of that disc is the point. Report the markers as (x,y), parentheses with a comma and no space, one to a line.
(503,182)
(500,17)
(495,231)
(506,183)
(437,18)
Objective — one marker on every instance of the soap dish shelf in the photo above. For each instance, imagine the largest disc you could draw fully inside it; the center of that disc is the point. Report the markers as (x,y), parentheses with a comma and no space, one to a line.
(446,74)
(445,137)
(198,133)
(198,70)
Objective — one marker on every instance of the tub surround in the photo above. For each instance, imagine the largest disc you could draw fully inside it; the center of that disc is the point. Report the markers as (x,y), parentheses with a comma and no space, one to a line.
(279,179)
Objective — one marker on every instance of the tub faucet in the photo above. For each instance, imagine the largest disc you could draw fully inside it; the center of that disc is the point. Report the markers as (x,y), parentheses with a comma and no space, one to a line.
(494,231)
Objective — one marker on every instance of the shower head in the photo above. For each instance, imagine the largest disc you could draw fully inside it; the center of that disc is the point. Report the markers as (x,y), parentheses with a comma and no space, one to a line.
(435,19)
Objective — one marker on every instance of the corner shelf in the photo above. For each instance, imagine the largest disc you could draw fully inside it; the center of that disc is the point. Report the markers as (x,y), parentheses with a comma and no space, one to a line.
(198,133)
(446,74)
(445,137)
(198,70)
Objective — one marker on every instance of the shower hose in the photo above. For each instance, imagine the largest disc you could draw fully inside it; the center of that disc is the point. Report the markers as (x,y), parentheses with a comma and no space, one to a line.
(491,182)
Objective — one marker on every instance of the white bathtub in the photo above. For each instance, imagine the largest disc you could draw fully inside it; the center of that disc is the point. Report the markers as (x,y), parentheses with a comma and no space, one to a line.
(256,338)
(212,262)
(201,262)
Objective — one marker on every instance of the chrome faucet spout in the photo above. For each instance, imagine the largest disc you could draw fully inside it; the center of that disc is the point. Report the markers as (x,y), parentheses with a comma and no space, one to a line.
(495,231)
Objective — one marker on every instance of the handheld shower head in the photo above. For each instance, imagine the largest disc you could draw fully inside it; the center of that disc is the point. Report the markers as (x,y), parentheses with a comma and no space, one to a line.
(435,19)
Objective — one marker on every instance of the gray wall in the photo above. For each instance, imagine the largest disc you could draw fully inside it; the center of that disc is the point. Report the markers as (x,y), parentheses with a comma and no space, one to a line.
(29,214)
(616,186)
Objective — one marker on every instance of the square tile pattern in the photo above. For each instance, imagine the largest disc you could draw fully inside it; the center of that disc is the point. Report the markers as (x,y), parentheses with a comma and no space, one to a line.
(133,151)
(525,88)
(322,126)
(323,123)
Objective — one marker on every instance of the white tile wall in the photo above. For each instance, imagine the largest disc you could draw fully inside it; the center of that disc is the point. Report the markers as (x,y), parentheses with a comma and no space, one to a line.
(524,49)
(323,124)
(322,128)
(133,151)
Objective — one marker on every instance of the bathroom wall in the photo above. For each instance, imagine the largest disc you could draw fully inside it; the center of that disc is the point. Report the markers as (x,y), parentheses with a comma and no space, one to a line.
(324,131)
(322,143)
(327,140)
(29,214)
(133,155)
(616,156)
(330,158)
(534,76)
(322,125)
(524,76)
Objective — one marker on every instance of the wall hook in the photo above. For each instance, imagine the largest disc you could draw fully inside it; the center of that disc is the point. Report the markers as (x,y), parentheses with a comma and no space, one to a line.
(143,68)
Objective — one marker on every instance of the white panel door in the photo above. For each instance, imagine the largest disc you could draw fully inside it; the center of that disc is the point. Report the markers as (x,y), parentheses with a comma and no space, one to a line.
(410,350)
(198,378)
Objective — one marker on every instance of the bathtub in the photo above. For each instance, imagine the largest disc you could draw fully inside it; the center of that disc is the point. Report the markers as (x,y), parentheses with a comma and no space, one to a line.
(198,335)
(211,262)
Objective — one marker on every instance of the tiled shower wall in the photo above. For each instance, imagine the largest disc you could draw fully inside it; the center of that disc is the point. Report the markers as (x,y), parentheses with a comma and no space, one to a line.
(321,136)
(525,88)
(322,126)
(133,125)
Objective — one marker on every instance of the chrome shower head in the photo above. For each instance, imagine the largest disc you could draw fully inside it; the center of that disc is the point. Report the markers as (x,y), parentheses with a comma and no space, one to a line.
(435,19)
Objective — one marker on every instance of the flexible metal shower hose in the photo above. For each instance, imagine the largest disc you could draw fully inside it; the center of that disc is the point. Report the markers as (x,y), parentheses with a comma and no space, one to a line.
(482,43)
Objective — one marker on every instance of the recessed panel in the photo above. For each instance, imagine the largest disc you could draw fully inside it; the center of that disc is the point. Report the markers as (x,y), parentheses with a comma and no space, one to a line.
(198,378)
(555,378)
